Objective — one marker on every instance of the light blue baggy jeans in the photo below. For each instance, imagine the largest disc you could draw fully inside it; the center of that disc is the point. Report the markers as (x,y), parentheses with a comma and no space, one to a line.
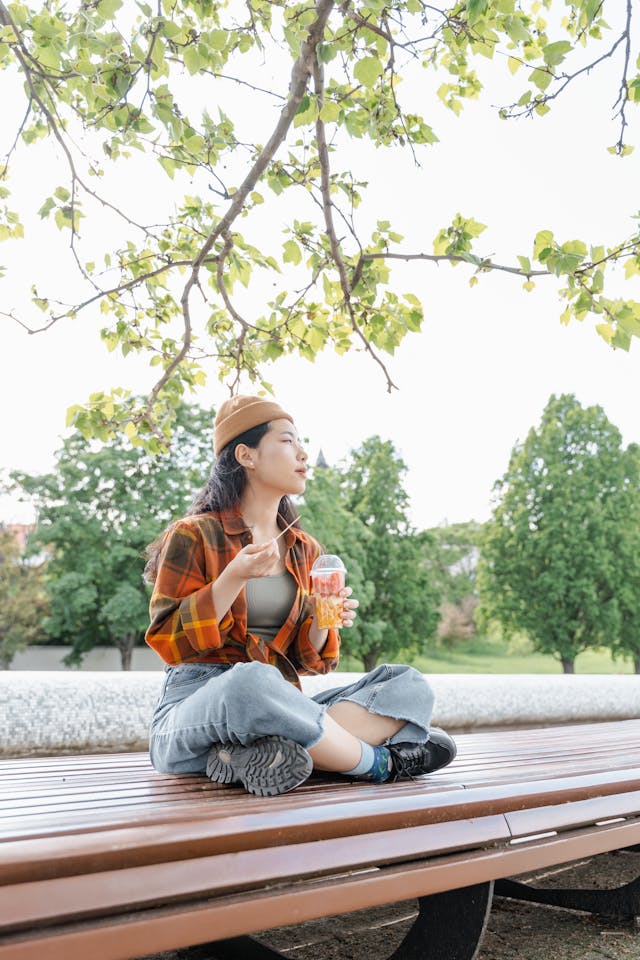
(201,704)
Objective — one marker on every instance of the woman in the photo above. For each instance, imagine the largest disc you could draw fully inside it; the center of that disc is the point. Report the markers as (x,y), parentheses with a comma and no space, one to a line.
(233,618)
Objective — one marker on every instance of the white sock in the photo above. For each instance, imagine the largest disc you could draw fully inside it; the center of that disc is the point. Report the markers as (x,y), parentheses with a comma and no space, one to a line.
(366,761)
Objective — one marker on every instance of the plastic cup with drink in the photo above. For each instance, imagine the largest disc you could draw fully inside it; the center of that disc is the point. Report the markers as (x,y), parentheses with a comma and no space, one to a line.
(328,575)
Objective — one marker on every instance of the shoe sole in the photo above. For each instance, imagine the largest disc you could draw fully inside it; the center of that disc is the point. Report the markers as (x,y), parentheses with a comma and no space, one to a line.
(266,768)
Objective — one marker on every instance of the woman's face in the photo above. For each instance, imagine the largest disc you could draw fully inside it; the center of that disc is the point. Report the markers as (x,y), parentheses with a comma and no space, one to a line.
(279,462)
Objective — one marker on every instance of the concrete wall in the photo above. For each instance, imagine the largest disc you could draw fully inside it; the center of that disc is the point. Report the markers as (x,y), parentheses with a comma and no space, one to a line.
(100,658)
(53,712)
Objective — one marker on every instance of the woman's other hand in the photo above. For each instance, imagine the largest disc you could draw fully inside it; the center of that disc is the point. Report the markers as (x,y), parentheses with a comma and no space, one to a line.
(347,614)
(348,607)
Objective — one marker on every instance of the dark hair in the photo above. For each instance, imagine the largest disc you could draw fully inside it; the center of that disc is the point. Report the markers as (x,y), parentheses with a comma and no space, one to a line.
(222,491)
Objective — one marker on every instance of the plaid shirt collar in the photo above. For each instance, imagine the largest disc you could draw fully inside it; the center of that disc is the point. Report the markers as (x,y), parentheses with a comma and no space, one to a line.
(233,522)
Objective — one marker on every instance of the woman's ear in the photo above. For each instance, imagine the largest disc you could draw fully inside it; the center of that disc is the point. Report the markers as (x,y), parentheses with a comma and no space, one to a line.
(244,456)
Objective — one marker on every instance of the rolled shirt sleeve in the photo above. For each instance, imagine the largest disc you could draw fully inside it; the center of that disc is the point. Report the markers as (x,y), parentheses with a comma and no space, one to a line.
(182,600)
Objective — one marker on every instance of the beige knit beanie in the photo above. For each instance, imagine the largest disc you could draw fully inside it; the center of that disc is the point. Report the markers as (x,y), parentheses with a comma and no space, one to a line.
(242,413)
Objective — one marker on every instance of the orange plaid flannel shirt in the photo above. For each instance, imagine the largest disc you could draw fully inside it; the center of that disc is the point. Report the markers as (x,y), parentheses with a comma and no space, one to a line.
(184,624)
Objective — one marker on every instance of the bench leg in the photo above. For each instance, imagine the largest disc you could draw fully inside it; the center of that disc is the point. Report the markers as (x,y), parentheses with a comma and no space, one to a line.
(449,925)
(236,948)
(620,903)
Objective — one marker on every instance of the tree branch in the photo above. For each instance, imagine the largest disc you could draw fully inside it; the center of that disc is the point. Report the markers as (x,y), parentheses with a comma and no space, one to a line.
(486,265)
(121,288)
(528,109)
(449,258)
(13,146)
(327,205)
(623,95)
(300,75)
(244,326)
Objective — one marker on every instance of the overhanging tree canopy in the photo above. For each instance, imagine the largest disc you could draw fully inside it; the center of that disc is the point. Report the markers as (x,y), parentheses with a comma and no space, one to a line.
(104,83)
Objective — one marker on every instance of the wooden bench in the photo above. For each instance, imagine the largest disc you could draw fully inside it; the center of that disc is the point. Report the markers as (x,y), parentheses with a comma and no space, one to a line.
(103,858)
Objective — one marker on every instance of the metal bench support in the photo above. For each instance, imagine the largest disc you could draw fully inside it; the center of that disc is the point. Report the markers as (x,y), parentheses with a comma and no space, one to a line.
(621,903)
(449,926)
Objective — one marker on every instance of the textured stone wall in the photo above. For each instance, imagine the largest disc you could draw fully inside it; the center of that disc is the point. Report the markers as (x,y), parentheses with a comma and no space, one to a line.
(60,712)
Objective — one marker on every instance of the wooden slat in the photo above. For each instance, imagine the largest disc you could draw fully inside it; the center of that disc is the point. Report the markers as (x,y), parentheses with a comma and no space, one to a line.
(168,928)
(25,904)
(232,828)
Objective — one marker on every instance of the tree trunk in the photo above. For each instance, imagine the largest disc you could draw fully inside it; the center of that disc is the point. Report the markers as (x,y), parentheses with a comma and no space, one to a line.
(636,663)
(369,659)
(568,664)
(125,646)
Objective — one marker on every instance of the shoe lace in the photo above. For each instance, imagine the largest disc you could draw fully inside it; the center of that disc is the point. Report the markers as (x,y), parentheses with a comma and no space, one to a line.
(406,762)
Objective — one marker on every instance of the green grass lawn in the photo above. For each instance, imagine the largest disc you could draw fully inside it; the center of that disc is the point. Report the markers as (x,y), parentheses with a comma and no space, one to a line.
(483,656)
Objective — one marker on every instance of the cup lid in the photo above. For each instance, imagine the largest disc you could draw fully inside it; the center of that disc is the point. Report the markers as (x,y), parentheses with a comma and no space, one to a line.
(327,563)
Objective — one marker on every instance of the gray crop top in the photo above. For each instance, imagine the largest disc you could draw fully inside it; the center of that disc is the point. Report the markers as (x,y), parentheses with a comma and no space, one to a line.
(269,600)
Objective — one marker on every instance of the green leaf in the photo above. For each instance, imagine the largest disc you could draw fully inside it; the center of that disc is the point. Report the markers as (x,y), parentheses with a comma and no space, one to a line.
(575,246)
(542,242)
(606,331)
(292,253)
(192,60)
(476,9)
(330,112)
(168,165)
(108,8)
(541,78)
(554,53)
(368,70)
(304,104)
(631,268)
(46,208)
(218,39)
(326,52)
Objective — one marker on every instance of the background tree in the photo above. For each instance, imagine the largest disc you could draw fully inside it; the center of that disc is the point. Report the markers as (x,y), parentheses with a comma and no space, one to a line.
(547,560)
(402,614)
(451,557)
(97,511)
(626,642)
(23,599)
(325,515)
(108,98)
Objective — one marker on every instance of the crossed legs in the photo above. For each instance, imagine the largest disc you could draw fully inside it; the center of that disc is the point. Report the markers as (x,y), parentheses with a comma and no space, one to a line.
(346,724)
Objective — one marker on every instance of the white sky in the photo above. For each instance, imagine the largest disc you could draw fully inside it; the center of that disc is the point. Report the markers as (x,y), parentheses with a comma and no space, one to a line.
(477,377)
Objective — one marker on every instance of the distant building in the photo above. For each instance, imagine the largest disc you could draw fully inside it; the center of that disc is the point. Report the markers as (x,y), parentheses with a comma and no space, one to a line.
(321,462)
(20,533)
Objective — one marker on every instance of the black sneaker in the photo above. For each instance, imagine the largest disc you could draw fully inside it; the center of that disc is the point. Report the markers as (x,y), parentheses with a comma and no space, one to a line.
(268,767)
(411,760)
